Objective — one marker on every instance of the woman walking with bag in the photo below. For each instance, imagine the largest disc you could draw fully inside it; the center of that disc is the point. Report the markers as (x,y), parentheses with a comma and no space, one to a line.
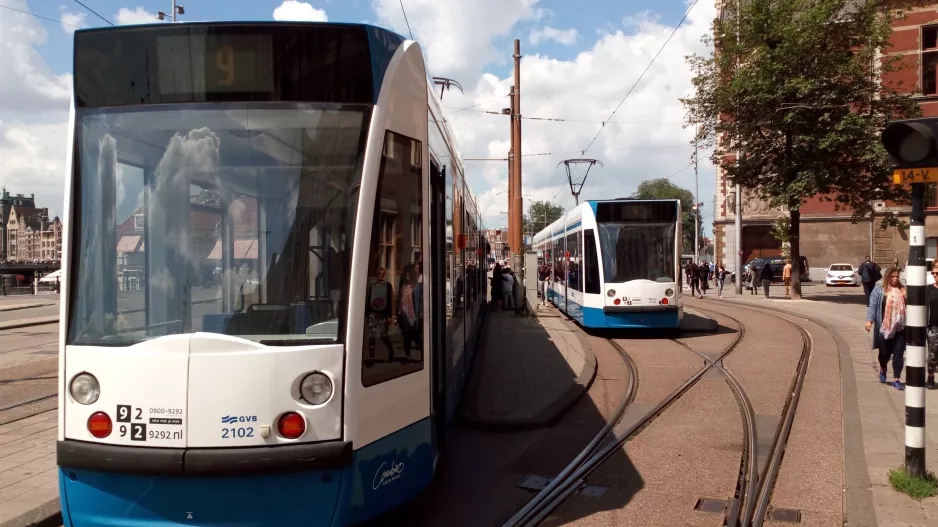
(886,316)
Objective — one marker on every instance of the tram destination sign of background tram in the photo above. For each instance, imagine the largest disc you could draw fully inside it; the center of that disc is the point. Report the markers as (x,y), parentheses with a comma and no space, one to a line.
(261,218)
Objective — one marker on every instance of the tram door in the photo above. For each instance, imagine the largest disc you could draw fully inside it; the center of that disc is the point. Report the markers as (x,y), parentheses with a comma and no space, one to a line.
(437,343)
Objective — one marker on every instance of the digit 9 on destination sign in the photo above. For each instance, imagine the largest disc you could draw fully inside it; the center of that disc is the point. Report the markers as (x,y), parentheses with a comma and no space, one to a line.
(238,63)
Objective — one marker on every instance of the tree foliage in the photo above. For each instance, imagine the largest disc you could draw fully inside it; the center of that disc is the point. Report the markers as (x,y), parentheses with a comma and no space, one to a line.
(662,188)
(540,215)
(794,86)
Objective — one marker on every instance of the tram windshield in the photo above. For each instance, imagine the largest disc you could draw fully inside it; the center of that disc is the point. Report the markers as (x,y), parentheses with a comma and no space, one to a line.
(229,218)
(637,251)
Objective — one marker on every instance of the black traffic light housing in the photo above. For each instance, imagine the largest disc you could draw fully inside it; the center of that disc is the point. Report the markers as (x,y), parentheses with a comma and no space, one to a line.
(911,143)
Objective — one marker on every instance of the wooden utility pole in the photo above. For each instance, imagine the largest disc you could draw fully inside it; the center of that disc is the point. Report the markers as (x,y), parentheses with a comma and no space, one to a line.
(515,238)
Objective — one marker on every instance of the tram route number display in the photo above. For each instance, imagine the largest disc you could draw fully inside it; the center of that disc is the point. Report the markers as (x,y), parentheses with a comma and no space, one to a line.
(133,424)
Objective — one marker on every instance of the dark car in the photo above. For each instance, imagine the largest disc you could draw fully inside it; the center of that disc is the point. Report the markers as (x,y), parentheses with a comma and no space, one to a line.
(778,265)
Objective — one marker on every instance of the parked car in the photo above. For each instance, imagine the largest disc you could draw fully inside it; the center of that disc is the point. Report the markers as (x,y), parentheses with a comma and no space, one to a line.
(841,274)
(929,279)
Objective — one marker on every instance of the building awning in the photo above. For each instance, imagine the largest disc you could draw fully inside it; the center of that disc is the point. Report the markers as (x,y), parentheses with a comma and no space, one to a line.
(243,250)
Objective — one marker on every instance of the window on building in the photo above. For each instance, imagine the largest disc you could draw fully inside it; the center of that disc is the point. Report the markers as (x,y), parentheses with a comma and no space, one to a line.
(394,297)
(138,222)
(930,60)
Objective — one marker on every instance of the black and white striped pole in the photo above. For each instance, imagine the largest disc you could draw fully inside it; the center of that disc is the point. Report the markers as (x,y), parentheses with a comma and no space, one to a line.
(915,339)
(913,154)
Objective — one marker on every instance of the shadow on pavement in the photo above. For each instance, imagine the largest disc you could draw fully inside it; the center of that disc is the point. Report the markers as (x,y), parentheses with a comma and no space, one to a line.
(517,360)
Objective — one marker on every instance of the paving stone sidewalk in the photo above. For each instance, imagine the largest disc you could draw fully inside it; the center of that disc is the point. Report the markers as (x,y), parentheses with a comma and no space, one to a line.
(29,488)
(881,410)
(529,370)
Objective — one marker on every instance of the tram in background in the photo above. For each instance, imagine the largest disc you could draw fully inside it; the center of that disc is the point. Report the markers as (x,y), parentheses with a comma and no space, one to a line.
(272,294)
(616,264)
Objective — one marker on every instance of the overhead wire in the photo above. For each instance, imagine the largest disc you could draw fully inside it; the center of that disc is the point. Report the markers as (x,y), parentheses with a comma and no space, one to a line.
(95,13)
(640,77)
(563,120)
(40,16)
(405,19)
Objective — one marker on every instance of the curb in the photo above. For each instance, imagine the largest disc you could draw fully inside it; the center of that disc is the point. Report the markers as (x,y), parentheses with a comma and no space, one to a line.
(28,322)
(24,306)
(552,414)
(44,515)
(858,489)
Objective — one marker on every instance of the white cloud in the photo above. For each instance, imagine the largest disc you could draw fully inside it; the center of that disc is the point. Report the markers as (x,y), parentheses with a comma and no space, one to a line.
(561,36)
(646,139)
(299,11)
(28,85)
(72,21)
(34,109)
(34,160)
(457,36)
(137,15)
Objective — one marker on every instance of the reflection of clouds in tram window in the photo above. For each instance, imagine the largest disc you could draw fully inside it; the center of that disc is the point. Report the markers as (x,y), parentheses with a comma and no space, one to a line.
(107,171)
(162,280)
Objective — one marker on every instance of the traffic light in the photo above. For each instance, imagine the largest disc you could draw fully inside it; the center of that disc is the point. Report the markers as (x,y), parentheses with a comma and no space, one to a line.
(913,150)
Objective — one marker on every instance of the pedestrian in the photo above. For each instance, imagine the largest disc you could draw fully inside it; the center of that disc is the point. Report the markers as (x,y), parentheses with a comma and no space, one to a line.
(766,275)
(753,279)
(931,329)
(704,275)
(786,275)
(869,274)
(690,271)
(543,277)
(721,278)
(497,288)
(885,315)
(694,276)
(508,286)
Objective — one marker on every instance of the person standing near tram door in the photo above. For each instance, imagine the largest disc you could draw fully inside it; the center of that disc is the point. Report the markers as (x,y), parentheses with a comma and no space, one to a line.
(378,311)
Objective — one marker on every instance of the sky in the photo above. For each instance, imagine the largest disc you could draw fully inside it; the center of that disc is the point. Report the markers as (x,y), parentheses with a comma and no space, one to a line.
(580,59)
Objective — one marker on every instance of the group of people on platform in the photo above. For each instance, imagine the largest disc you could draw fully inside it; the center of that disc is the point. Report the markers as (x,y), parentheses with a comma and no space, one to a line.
(698,277)
(503,286)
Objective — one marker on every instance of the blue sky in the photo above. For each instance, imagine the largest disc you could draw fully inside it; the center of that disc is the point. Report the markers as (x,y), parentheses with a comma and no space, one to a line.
(580,60)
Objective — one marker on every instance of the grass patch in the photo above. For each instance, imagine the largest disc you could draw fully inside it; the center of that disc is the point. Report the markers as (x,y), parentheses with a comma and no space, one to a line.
(917,488)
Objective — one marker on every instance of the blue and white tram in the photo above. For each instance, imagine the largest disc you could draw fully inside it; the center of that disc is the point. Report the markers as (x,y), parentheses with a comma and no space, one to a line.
(261,219)
(616,264)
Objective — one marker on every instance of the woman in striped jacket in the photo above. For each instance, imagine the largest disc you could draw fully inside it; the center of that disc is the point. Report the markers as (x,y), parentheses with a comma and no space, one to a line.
(885,315)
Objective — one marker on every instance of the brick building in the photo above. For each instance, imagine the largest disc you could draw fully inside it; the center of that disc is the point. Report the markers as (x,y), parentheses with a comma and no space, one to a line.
(31,235)
(831,236)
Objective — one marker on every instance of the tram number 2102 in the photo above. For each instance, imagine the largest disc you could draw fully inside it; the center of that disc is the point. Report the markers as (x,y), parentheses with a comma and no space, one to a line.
(237,433)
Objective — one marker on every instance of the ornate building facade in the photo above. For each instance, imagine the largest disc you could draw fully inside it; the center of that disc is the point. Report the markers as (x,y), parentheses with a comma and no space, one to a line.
(32,236)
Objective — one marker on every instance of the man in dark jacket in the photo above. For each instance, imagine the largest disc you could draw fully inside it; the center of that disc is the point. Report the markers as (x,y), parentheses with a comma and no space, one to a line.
(870,273)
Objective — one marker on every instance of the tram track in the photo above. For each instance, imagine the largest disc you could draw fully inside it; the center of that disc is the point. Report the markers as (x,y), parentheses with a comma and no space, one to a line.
(750,503)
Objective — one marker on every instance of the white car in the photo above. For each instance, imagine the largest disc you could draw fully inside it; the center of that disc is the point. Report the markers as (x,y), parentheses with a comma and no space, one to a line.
(841,274)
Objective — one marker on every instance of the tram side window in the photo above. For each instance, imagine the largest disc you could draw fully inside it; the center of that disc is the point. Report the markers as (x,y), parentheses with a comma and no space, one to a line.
(393,325)
(558,260)
(590,263)
(573,269)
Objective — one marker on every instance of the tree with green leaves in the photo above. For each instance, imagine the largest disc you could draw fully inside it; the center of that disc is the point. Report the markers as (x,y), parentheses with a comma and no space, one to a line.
(540,215)
(794,87)
(662,188)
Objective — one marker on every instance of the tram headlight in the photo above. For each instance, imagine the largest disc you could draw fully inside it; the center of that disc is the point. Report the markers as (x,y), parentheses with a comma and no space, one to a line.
(85,388)
(611,293)
(316,388)
(669,292)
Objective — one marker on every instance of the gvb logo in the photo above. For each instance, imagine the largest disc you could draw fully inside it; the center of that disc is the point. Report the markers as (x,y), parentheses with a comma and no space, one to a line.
(230,419)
